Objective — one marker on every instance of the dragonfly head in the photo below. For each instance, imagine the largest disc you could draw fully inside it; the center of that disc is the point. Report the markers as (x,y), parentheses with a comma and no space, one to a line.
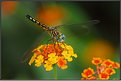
(61,38)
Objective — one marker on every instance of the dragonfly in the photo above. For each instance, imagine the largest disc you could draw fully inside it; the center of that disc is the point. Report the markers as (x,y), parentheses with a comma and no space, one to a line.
(52,31)
(55,34)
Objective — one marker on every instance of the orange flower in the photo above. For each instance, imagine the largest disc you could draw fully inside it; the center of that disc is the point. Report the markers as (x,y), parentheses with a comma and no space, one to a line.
(51,54)
(102,72)
(103,76)
(96,61)
(83,78)
(8,7)
(92,78)
(87,73)
(89,78)
(51,15)
(62,63)
(37,51)
(107,63)
(109,71)
(116,65)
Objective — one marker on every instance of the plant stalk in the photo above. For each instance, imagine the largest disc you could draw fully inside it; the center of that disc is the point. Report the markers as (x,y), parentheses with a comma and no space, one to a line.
(55,72)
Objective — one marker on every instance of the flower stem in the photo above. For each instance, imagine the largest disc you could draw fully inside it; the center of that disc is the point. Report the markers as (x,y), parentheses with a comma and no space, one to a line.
(55,72)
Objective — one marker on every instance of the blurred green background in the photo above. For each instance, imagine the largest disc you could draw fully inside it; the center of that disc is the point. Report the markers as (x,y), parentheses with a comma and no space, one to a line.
(19,34)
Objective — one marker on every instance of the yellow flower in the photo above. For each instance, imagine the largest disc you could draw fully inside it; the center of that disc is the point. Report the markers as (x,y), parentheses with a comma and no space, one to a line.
(32,59)
(48,66)
(51,54)
(67,56)
(74,55)
(71,52)
(68,53)
(53,58)
(39,60)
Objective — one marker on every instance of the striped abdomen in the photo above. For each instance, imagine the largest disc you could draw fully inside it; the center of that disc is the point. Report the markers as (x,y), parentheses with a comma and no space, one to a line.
(37,22)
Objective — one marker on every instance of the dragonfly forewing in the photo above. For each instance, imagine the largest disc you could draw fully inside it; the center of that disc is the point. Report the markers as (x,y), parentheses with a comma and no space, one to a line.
(89,23)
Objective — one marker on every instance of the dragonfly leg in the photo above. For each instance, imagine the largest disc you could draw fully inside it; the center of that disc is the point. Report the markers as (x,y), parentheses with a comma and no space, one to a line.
(48,42)
(64,45)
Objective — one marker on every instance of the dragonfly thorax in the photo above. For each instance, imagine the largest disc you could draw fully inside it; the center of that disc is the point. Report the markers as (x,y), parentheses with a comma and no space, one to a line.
(57,35)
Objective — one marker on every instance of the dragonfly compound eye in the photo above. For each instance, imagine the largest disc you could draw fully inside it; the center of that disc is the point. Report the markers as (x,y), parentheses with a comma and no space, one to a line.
(61,38)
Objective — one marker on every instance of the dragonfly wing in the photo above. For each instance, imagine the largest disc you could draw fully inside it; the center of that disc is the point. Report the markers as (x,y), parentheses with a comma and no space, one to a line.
(91,22)
(79,28)
(28,53)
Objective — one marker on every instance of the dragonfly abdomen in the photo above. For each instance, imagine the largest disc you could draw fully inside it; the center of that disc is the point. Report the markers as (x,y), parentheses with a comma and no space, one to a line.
(37,22)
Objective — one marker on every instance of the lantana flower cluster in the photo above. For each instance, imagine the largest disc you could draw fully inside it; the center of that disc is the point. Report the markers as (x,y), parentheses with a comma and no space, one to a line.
(51,54)
(104,69)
